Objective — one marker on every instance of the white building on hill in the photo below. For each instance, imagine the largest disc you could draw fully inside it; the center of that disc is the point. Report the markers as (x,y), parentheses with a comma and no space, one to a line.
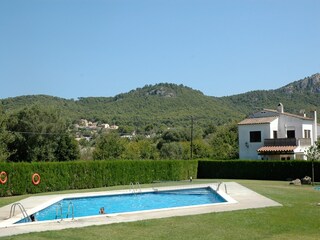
(277,135)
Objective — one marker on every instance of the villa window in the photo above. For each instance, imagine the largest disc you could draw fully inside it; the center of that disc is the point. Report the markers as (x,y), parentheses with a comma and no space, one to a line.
(307,133)
(291,134)
(275,134)
(255,136)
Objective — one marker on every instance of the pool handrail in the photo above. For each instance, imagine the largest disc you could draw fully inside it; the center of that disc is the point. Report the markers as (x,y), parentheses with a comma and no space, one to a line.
(225,187)
(135,187)
(22,209)
(59,207)
(138,185)
(72,210)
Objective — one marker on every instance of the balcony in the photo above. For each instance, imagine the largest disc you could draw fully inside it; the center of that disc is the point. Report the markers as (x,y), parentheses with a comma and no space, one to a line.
(288,142)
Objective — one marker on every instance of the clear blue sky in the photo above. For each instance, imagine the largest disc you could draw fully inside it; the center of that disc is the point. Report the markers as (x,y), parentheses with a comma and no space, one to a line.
(81,48)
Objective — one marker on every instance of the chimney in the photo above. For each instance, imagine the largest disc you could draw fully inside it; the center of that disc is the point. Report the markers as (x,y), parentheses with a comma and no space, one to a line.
(303,113)
(280,108)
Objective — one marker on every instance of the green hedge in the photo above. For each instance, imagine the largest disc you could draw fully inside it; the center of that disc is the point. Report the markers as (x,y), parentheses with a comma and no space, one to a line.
(57,176)
(259,170)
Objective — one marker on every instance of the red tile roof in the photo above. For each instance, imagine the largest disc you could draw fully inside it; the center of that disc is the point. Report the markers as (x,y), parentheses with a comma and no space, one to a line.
(288,114)
(262,120)
(277,149)
(265,120)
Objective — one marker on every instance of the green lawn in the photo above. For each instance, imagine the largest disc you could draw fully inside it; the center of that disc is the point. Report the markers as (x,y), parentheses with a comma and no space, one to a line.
(299,218)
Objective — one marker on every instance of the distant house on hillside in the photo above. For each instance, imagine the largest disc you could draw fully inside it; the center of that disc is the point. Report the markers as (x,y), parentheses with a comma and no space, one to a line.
(277,135)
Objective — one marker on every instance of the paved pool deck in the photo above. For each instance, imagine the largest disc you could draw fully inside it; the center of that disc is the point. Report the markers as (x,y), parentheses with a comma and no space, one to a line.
(239,198)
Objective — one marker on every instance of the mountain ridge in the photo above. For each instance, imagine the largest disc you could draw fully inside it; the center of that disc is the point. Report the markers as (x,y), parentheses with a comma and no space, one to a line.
(309,84)
(168,104)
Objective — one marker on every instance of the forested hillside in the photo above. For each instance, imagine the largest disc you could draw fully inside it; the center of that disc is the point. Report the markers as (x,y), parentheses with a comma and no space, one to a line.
(173,105)
(167,105)
(162,121)
(297,97)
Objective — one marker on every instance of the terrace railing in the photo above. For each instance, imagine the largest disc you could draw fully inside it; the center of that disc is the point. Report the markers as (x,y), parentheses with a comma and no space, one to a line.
(287,142)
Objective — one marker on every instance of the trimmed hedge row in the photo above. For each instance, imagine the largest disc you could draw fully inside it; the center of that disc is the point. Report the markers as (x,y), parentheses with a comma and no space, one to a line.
(57,176)
(258,170)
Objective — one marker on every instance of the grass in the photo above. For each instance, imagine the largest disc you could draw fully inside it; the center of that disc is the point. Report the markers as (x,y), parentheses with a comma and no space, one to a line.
(299,218)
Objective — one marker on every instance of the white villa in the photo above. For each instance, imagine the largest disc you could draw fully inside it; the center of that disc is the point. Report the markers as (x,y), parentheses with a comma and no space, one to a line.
(277,135)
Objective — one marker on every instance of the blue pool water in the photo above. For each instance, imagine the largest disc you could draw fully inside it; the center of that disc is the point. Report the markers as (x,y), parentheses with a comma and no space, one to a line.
(89,206)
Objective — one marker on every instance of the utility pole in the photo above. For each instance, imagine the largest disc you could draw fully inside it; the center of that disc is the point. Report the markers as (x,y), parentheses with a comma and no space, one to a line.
(191,141)
(312,166)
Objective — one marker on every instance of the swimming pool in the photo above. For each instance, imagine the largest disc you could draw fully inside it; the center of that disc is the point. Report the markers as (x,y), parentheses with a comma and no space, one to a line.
(129,202)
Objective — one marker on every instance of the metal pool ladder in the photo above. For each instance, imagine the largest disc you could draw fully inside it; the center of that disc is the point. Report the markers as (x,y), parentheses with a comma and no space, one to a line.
(70,207)
(135,188)
(138,185)
(59,207)
(22,209)
(225,187)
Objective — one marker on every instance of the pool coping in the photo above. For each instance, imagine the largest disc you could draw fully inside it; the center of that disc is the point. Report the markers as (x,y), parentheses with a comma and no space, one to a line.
(238,197)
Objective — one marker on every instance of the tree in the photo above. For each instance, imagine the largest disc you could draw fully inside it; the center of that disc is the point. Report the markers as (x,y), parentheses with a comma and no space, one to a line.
(67,149)
(132,151)
(172,150)
(201,149)
(109,146)
(40,135)
(140,149)
(313,154)
(148,150)
(224,142)
(5,138)
(173,135)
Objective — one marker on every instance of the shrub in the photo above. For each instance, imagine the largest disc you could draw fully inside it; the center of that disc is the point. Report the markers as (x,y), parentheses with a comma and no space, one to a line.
(57,176)
(258,170)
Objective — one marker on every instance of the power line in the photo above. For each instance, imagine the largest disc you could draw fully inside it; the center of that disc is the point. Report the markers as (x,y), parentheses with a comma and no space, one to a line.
(37,133)
(191,142)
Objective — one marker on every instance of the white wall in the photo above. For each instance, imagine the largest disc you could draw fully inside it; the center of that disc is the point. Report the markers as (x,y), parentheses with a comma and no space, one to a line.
(296,124)
(289,123)
(274,127)
(247,149)
(282,124)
